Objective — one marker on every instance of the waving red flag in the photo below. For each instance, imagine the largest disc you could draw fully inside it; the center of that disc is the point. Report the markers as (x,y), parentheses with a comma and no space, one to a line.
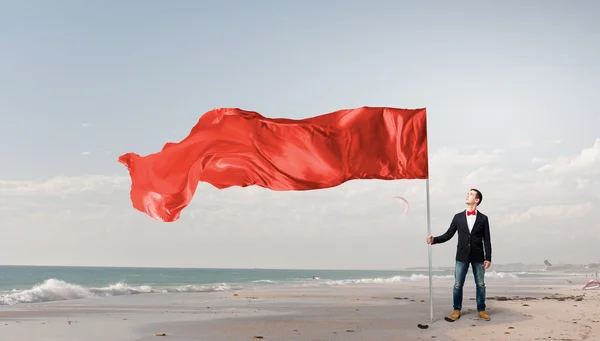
(233,147)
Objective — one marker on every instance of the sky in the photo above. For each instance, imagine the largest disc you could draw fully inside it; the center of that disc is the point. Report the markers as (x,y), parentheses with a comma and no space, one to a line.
(510,90)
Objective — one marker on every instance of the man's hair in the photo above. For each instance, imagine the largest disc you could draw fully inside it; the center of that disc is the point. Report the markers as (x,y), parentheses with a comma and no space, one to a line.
(478,195)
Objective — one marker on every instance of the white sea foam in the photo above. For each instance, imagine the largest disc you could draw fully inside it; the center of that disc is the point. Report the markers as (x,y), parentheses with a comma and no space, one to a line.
(57,290)
(266,281)
(416,278)
(394,279)
(501,275)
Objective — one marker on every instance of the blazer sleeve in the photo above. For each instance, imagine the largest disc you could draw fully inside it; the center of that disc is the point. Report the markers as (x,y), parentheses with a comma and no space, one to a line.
(448,235)
(487,241)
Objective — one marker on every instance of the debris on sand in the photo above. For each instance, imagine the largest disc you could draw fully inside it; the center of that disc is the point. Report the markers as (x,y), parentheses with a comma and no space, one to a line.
(564,298)
(423,326)
(514,298)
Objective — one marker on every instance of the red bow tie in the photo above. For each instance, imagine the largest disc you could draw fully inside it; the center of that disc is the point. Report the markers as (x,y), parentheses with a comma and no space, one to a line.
(470,212)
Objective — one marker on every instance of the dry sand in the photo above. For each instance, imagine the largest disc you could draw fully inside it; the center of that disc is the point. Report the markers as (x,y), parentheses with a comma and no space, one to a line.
(543,311)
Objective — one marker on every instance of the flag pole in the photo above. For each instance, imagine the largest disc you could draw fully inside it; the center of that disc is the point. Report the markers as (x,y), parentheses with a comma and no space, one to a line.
(429,249)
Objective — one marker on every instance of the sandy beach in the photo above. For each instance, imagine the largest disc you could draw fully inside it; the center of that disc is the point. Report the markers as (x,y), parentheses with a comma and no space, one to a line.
(543,310)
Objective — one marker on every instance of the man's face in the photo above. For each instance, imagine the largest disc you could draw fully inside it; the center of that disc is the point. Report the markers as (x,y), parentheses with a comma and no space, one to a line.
(470,199)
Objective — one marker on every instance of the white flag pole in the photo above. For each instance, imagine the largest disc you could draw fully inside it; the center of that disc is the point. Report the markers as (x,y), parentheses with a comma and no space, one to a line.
(429,248)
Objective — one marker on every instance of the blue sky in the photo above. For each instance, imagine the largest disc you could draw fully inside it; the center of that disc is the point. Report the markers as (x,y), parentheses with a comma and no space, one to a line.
(509,87)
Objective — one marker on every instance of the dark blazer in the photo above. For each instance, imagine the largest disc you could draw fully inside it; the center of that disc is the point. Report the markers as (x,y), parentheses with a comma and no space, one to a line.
(471,246)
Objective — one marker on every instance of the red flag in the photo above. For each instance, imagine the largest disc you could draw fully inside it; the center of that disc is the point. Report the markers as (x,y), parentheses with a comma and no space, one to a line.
(233,147)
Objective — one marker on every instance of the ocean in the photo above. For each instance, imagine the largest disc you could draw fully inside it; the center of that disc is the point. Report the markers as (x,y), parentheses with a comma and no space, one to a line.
(31,284)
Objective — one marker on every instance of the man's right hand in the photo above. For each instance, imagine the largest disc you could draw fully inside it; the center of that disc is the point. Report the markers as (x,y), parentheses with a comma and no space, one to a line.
(430,240)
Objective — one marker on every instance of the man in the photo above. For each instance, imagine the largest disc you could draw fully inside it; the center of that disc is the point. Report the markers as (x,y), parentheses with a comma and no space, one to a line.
(474,248)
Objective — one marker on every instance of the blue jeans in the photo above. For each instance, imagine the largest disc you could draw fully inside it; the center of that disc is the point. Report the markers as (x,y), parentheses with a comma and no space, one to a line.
(460,273)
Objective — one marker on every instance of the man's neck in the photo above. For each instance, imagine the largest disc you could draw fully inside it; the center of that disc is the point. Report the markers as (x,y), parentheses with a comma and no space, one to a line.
(471,207)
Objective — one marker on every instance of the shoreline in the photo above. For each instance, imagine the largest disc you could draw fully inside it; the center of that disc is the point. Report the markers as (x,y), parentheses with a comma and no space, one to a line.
(389,311)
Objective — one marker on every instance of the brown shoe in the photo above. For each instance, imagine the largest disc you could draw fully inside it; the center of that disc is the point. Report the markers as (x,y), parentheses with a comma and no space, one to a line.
(484,316)
(455,315)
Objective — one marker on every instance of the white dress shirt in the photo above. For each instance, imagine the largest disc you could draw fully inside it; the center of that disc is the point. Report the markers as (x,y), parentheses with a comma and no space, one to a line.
(471,220)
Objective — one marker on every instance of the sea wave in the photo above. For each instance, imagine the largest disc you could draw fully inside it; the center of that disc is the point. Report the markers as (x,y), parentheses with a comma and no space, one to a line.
(394,279)
(414,278)
(57,290)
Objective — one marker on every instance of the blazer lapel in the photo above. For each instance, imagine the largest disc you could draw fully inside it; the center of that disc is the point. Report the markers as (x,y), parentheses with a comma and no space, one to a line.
(476,223)
(465,224)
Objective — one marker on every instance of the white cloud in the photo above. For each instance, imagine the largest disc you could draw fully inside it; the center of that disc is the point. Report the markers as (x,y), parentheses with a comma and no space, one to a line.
(483,175)
(582,183)
(449,165)
(588,160)
(357,223)
(64,185)
(538,160)
(85,153)
(451,157)
(524,144)
(85,125)
(563,212)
